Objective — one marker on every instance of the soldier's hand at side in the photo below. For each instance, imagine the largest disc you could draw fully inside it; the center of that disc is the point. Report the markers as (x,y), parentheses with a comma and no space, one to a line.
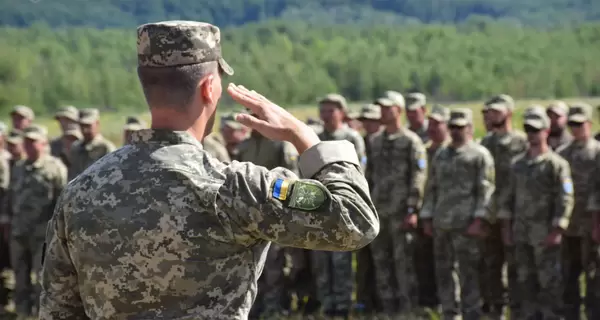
(271,120)
(476,230)
(428,227)
(554,238)
(410,221)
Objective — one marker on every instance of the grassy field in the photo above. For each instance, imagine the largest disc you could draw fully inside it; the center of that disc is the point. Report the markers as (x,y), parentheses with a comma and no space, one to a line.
(112,122)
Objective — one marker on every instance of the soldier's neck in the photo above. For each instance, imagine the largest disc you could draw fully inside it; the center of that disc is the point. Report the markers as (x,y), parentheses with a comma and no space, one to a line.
(333,127)
(394,126)
(535,151)
(166,119)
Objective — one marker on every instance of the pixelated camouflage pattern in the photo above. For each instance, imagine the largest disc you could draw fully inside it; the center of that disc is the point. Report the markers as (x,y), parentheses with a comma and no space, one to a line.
(158,229)
(349,134)
(83,154)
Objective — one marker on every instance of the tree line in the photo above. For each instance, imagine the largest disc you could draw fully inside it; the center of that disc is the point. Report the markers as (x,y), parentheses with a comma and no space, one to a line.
(296,62)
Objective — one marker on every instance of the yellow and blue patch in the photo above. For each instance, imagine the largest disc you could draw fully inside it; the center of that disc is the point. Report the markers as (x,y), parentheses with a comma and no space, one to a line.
(281,188)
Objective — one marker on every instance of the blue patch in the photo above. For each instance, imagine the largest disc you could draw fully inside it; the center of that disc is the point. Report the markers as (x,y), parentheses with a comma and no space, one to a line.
(568,187)
(363,160)
(422,164)
(277,188)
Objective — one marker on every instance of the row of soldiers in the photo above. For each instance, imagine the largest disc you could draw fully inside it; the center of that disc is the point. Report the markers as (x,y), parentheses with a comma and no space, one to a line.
(514,204)
(33,171)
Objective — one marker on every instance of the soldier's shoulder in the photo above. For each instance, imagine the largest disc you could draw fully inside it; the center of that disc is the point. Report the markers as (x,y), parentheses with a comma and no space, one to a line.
(54,164)
(486,138)
(352,134)
(556,159)
(413,136)
(518,134)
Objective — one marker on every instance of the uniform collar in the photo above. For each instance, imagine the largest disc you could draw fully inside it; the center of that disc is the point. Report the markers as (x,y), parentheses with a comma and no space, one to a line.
(163,137)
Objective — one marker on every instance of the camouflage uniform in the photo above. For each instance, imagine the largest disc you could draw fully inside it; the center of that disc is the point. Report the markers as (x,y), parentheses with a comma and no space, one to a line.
(84,153)
(15,137)
(4,220)
(459,189)
(424,261)
(504,147)
(160,229)
(555,142)
(35,188)
(216,148)
(399,172)
(333,270)
(415,101)
(56,145)
(272,282)
(539,199)
(580,253)
(132,124)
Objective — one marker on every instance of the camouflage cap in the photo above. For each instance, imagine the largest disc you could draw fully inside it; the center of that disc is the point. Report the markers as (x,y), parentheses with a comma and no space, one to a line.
(415,100)
(14,136)
(69,112)
(352,115)
(396,97)
(370,112)
(89,116)
(23,111)
(580,113)
(384,102)
(558,107)
(535,116)
(134,124)
(439,113)
(73,132)
(36,132)
(228,120)
(501,99)
(178,42)
(335,99)
(461,117)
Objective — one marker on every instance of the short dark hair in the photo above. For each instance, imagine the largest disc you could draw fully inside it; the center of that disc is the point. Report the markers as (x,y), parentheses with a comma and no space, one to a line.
(173,86)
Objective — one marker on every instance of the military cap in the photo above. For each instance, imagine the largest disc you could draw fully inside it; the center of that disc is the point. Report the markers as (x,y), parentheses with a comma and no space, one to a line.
(14,136)
(461,117)
(89,116)
(396,97)
(415,100)
(439,113)
(69,112)
(74,132)
(336,99)
(353,115)
(177,42)
(535,116)
(36,132)
(228,120)
(134,124)
(558,107)
(500,100)
(23,111)
(384,102)
(370,112)
(580,113)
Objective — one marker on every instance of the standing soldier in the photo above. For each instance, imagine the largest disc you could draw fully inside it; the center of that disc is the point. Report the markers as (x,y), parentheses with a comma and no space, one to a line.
(272,283)
(215,147)
(399,167)
(416,114)
(366,298)
(35,187)
(93,146)
(437,130)
(504,144)
(333,270)
(580,251)
(535,211)
(559,135)
(233,134)
(316,125)
(459,189)
(67,118)
(71,135)
(4,219)
(352,121)
(132,124)
(14,146)
(21,117)
(4,154)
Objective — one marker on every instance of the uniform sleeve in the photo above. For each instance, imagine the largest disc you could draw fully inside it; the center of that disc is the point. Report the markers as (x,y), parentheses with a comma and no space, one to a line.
(418,165)
(564,199)
(60,298)
(110,147)
(486,184)
(593,204)
(506,199)
(431,190)
(290,157)
(332,211)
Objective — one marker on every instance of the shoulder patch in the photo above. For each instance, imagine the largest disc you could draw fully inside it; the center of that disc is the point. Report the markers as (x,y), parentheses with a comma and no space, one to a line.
(567,186)
(363,160)
(281,188)
(422,163)
(307,196)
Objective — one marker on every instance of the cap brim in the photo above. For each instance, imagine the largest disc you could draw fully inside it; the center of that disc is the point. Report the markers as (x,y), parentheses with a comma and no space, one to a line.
(34,136)
(14,140)
(369,116)
(88,120)
(538,124)
(72,133)
(437,117)
(579,118)
(227,69)
(459,122)
(497,107)
(132,127)
(65,115)
(414,106)
(558,111)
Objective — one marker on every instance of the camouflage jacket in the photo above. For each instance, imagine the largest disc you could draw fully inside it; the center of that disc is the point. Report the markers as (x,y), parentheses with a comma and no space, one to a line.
(268,153)
(160,229)
(83,154)
(347,133)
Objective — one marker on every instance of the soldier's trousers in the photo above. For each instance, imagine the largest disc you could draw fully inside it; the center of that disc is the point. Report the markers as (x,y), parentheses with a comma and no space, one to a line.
(303,280)
(26,257)
(540,280)
(271,283)
(395,275)
(335,280)
(492,263)
(365,279)
(580,255)
(451,247)
(425,268)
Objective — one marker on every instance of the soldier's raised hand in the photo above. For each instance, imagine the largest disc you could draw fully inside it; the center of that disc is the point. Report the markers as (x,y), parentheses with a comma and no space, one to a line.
(271,120)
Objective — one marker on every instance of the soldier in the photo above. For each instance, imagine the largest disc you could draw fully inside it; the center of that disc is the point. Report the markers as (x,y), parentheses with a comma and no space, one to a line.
(504,144)
(559,135)
(187,233)
(14,145)
(437,130)
(399,171)
(215,147)
(35,186)
(333,270)
(92,147)
(272,282)
(459,189)
(21,117)
(67,118)
(416,114)
(316,125)
(535,211)
(71,135)
(4,154)
(579,249)
(353,122)
(4,229)
(132,124)
(370,116)
(233,133)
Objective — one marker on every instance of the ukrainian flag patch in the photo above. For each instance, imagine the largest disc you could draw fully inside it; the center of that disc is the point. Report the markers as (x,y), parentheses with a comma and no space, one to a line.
(280,189)
(568,186)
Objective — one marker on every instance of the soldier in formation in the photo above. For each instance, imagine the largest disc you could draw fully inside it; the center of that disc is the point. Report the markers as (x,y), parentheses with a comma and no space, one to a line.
(132,124)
